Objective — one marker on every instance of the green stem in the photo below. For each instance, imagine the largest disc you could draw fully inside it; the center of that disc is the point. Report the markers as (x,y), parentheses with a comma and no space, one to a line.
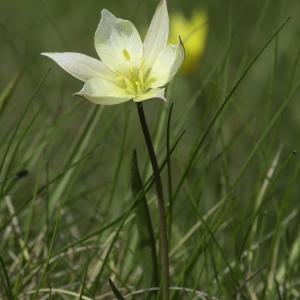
(164,252)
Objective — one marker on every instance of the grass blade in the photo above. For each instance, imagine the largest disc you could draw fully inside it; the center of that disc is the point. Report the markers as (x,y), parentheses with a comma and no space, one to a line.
(6,280)
(147,249)
(35,93)
(8,91)
(115,290)
(223,106)
(76,154)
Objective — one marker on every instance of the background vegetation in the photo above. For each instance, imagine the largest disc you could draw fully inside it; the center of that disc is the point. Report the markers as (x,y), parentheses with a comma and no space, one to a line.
(65,163)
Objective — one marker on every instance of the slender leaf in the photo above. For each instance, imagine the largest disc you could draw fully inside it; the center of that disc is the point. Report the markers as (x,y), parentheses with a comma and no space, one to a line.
(115,290)
(147,250)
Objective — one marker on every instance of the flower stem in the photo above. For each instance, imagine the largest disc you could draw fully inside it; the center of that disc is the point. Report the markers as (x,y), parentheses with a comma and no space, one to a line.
(164,252)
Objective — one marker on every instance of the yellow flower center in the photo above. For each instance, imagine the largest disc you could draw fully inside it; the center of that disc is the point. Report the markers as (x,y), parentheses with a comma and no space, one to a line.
(136,81)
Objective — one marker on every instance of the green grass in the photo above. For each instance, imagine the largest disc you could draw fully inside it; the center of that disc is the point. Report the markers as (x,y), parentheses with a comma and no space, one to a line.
(73,197)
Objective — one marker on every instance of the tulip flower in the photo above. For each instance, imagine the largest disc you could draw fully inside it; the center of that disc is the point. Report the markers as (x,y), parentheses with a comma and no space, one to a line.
(193,32)
(128,69)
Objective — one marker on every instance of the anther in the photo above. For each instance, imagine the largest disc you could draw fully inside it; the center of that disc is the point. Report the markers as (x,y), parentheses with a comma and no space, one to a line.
(126,54)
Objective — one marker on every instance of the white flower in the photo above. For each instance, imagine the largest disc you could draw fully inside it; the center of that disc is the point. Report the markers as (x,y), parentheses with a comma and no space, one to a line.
(129,69)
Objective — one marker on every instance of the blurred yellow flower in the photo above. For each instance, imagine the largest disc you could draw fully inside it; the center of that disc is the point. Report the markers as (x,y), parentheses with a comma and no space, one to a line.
(193,32)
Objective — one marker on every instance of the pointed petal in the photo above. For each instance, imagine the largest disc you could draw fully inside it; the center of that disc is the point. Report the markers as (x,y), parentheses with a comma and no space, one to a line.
(101,91)
(80,66)
(118,43)
(167,65)
(158,32)
(151,94)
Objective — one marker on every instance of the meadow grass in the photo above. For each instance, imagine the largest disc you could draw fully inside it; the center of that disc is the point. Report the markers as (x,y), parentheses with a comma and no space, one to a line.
(78,207)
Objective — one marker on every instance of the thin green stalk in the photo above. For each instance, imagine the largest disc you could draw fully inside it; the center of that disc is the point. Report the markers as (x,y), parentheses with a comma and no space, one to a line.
(169,167)
(165,276)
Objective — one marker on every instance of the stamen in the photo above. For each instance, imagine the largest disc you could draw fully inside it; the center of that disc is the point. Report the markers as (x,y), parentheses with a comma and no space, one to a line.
(141,76)
(139,89)
(136,81)
(130,86)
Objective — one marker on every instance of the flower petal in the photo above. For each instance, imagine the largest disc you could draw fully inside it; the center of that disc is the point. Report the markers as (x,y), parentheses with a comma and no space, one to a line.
(151,94)
(101,91)
(80,66)
(167,65)
(118,43)
(158,32)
